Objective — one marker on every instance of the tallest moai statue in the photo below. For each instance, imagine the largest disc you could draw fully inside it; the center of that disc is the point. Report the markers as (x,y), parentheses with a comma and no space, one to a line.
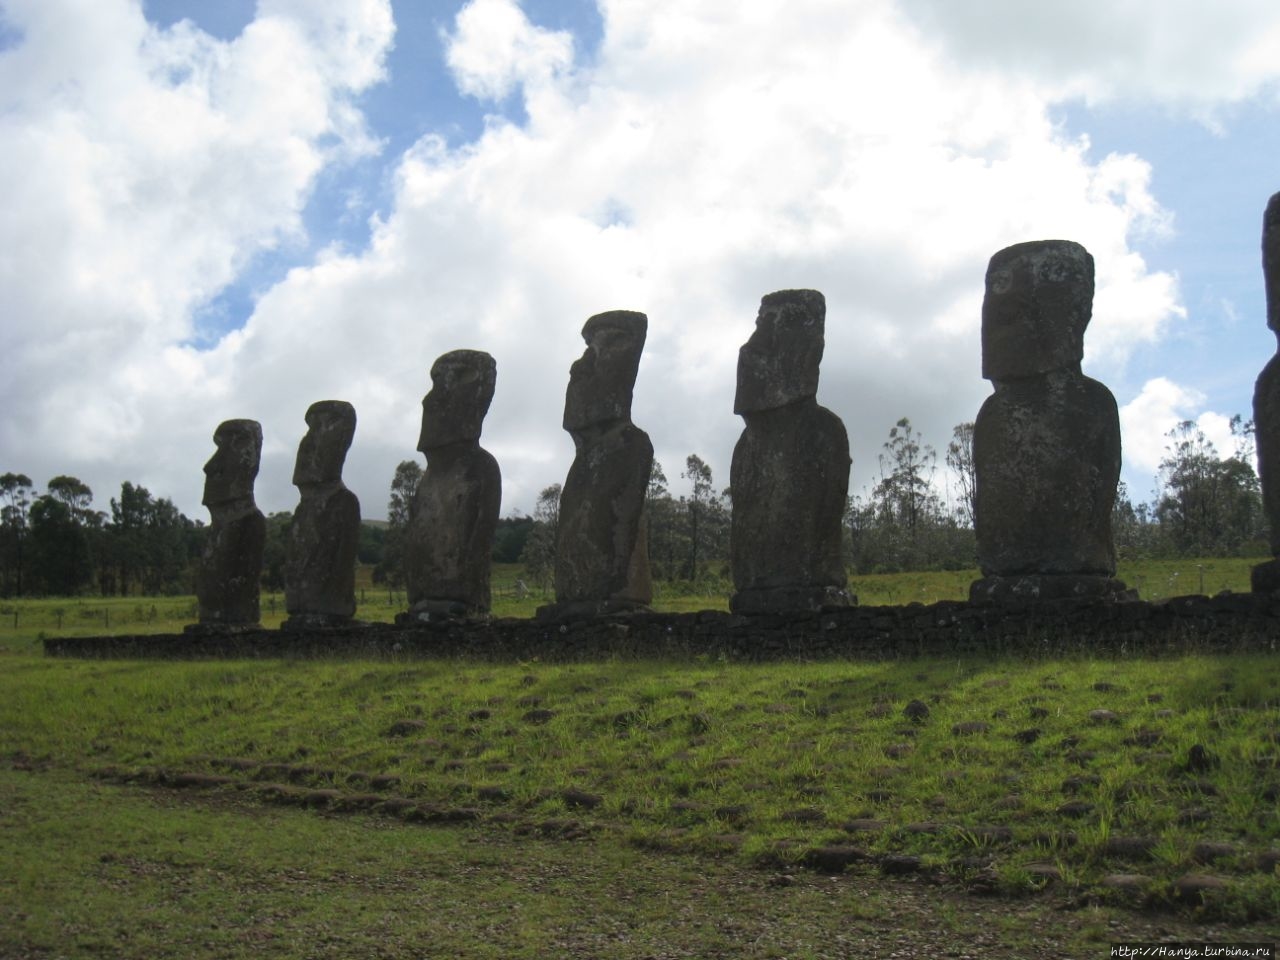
(1266,403)
(1046,444)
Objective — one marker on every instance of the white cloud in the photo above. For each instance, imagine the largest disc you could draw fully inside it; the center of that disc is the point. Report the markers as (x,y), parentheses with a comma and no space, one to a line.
(1160,406)
(1185,53)
(141,170)
(708,155)
(495,49)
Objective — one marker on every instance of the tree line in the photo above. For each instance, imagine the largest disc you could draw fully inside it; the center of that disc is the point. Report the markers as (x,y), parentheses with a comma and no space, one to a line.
(55,543)
(914,516)
(1205,504)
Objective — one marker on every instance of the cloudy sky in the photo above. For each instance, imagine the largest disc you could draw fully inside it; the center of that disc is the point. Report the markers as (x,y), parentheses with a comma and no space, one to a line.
(232,209)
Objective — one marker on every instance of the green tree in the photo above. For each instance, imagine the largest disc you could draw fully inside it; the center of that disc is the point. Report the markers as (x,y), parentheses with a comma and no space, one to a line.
(404,486)
(62,521)
(662,522)
(1208,505)
(146,546)
(539,554)
(510,538)
(907,468)
(373,537)
(125,550)
(275,550)
(74,493)
(1133,528)
(706,519)
(15,497)
(901,524)
(960,460)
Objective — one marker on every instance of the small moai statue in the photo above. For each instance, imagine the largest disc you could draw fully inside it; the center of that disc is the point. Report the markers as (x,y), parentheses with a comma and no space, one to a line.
(320,561)
(454,515)
(1046,443)
(1266,404)
(227,586)
(790,471)
(602,553)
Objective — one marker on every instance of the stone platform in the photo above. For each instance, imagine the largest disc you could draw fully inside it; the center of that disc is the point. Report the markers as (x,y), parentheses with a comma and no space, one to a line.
(1049,628)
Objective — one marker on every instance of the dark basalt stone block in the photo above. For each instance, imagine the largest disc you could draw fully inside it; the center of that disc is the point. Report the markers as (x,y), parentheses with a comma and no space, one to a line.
(227,586)
(790,471)
(1046,444)
(320,588)
(602,554)
(1266,401)
(455,510)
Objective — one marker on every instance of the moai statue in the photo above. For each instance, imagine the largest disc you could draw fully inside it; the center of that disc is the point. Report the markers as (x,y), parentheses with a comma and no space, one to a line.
(320,564)
(1266,403)
(227,587)
(790,472)
(1046,444)
(602,554)
(455,510)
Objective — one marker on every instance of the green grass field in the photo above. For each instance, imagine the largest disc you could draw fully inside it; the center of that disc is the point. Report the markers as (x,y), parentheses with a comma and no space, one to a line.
(152,808)
(633,809)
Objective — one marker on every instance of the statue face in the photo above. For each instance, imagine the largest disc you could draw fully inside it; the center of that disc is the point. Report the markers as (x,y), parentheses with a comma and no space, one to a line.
(778,365)
(331,424)
(601,381)
(230,472)
(462,384)
(1038,302)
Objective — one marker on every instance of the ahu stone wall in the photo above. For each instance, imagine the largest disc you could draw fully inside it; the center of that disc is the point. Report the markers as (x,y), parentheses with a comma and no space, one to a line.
(1230,622)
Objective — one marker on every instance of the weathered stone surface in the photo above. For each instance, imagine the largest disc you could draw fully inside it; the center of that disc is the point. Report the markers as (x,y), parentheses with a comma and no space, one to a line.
(1046,444)
(455,509)
(1266,403)
(1265,577)
(320,586)
(1035,587)
(916,711)
(227,587)
(790,470)
(1039,300)
(602,554)
(1197,887)
(1069,628)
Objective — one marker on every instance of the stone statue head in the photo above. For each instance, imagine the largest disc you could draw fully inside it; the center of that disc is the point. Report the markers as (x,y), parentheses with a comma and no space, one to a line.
(1271,261)
(778,365)
(230,472)
(462,383)
(1039,300)
(331,424)
(601,381)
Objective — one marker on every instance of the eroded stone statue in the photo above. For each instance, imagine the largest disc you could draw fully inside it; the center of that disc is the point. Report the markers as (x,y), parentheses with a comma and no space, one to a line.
(455,510)
(320,586)
(602,555)
(790,472)
(1266,403)
(227,587)
(1046,443)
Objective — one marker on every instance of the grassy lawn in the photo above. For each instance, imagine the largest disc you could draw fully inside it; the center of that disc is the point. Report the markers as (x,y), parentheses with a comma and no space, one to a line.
(24,621)
(634,808)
